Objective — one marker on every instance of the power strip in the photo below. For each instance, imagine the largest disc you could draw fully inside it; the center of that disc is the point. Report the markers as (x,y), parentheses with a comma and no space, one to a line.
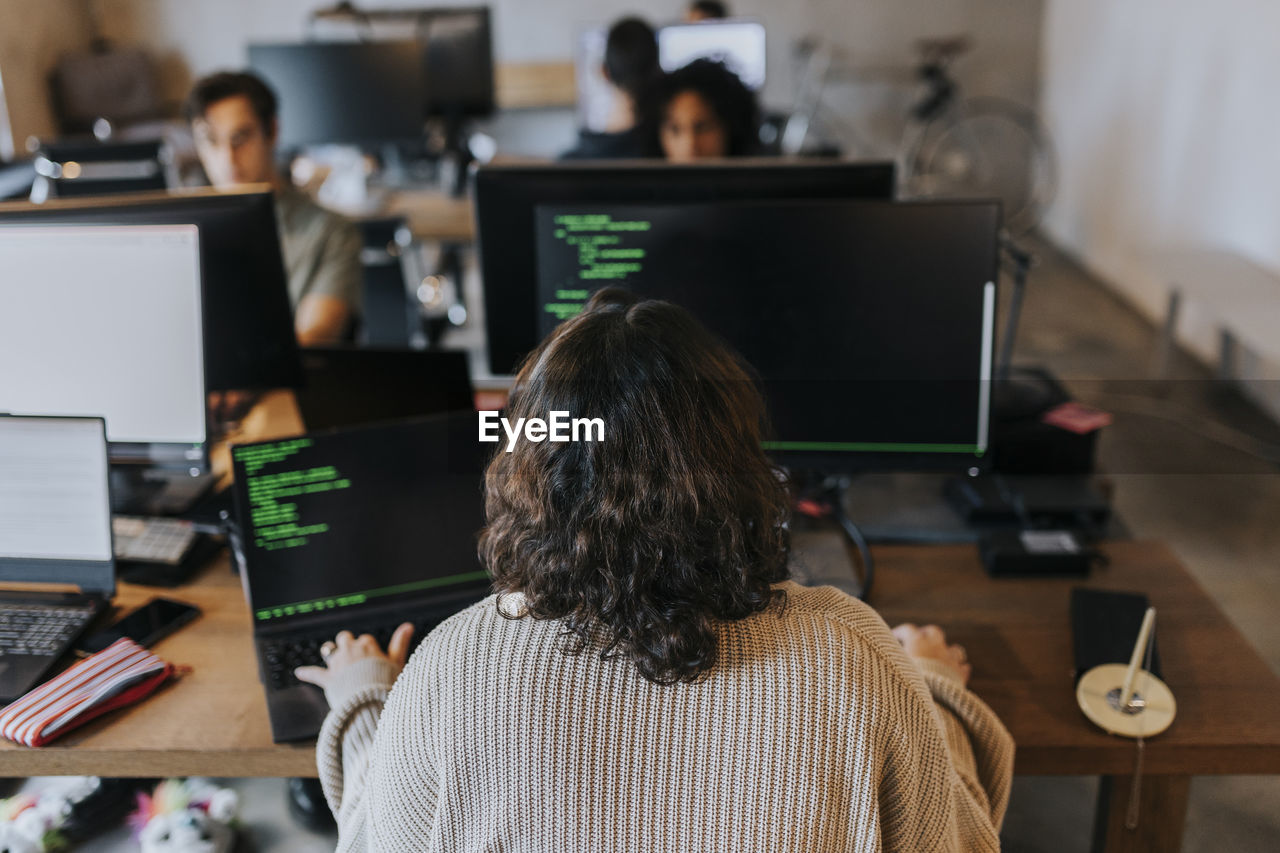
(1035,553)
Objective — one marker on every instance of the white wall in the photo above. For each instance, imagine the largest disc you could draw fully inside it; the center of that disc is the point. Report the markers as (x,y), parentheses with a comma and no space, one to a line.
(1166,116)
(33,36)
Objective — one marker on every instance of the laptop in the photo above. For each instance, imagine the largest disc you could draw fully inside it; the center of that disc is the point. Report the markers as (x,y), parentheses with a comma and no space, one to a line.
(57,571)
(358,529)
(346,386)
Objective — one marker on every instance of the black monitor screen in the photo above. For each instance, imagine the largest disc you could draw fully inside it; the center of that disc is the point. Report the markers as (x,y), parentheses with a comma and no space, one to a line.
(459,61)
(507,196)
(347,387)
(249,341)
(370,514)
(358,93)
(870,324)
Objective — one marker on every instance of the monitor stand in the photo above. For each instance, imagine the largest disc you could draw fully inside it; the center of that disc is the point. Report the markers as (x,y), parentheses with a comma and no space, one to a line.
(141,490)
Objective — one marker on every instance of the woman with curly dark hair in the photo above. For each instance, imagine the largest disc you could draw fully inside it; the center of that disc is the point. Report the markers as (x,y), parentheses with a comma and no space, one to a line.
(645,677)
(703,110)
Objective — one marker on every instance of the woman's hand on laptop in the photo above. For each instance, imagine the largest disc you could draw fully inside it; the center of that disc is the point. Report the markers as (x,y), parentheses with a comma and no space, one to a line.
(348,649)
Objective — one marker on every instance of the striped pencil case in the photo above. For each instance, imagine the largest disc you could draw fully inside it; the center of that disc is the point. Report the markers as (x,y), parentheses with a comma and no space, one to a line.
(119,675)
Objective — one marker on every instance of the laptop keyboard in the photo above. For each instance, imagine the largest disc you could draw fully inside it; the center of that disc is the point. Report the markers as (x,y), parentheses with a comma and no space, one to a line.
(152,540)
(36,629)
(283,655)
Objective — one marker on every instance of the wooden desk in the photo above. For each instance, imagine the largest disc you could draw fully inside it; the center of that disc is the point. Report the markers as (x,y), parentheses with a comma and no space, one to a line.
(1018,634)
(211,722)
(214,722)
(432,215)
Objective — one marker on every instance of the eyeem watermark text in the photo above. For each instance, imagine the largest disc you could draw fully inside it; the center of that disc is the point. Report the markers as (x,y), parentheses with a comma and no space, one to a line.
(559,427)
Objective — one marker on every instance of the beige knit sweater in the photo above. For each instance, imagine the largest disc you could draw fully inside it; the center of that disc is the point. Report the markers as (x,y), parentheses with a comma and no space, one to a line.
(814,732)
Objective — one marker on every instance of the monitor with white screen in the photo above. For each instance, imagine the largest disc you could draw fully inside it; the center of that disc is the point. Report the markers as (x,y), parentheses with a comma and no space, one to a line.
(596,96)
(346,93)
(738,44)
(249,341)
(55,520)
(105,321)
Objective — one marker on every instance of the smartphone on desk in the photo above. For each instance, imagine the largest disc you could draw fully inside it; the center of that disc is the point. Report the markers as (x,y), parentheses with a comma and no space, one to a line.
(149,624)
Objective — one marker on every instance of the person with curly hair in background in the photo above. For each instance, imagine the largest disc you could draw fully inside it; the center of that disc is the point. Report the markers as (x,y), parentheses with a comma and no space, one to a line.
(704,110)
(645,676)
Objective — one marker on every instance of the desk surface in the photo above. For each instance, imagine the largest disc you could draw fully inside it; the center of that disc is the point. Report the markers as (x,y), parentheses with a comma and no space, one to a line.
(433,215)
(214,722)
(1018,634)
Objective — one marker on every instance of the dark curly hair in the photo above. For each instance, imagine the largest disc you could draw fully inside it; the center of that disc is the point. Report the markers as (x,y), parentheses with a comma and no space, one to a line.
(642,542)
(729,98)
(209,90)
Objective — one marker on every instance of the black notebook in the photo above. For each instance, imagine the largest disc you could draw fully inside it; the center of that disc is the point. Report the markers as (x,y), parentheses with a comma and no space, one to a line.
(1104,627)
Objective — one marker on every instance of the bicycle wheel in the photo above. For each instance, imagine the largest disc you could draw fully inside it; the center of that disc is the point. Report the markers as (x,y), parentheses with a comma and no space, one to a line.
(987,148)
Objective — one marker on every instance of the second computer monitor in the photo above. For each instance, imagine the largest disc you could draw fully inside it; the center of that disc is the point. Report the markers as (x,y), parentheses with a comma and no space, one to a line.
(105,321)
(507,198)
(459,61)
(356,93)
(381,90)
(739,44)
(249,341)
(870,324)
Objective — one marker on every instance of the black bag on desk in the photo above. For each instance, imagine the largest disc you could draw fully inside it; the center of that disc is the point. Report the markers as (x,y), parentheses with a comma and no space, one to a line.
(1104,627)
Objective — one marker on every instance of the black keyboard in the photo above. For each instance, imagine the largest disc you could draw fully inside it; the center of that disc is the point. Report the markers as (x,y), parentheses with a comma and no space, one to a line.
(281,656)
(41,629)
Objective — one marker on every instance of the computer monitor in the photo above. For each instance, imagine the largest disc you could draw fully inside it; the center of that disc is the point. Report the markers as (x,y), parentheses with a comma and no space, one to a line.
(105,321)
(870,324)
(739,44)
(458,45)
(456,41)
(401,501)
(347,387)
(355,93)
(249,341)
(507,197)
(55,518)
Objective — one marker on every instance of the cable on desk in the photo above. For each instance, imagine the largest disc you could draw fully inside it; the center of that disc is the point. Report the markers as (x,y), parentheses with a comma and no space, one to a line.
(828,503)
(1013,497)
(864,551)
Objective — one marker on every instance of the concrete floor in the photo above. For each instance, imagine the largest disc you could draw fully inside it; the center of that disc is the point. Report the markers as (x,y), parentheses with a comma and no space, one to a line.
(1181,476)
(1182,455)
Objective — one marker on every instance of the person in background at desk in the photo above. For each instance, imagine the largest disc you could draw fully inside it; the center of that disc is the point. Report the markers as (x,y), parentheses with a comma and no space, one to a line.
(631,67)
(234,120)
(647,677)
(703,110)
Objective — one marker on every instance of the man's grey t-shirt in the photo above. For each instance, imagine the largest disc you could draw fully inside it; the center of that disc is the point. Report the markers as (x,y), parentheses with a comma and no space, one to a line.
(321,250)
